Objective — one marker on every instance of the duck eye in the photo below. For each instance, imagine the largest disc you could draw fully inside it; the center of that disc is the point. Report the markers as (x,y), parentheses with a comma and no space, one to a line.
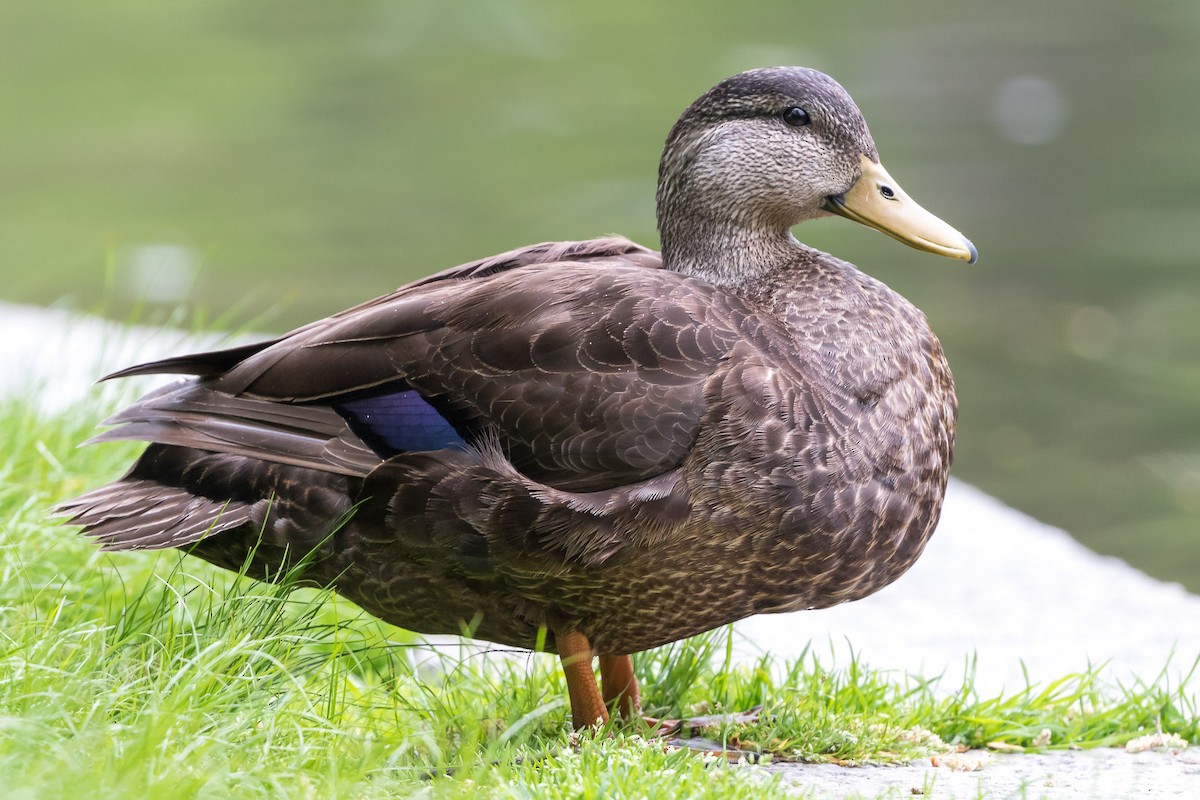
(796,117)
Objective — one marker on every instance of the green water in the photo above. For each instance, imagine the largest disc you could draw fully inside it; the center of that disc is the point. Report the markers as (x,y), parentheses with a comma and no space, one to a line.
(297,157)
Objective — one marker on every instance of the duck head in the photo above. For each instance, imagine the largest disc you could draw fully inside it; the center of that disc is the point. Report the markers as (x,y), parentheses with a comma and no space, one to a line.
(766,150)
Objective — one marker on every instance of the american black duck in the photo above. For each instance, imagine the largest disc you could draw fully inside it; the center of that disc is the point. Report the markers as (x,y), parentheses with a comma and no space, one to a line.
(619,447)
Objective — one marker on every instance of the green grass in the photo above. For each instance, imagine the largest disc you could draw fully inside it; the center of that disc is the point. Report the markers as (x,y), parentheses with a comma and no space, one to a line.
(147,675)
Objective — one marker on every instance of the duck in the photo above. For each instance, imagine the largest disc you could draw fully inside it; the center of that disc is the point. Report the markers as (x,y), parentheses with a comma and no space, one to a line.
(590,447)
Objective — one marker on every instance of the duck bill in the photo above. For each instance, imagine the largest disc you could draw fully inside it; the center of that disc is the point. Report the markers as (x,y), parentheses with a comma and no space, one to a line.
(877,201)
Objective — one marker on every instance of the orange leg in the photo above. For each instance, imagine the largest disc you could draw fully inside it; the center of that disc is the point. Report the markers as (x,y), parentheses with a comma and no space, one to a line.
(620,686)
(575,652)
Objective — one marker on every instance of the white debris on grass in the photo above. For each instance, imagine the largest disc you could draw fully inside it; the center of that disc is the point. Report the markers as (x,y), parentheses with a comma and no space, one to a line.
(970,761)
(1156,741)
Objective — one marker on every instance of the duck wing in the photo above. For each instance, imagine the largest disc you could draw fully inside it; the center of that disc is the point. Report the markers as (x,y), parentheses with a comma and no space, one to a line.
(585,363)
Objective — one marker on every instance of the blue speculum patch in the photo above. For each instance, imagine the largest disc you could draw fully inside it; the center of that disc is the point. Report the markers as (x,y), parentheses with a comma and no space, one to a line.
(400,422)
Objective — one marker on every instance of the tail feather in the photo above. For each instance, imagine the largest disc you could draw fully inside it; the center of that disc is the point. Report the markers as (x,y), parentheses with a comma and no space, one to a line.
(191,414)
(184,497)
(138,514)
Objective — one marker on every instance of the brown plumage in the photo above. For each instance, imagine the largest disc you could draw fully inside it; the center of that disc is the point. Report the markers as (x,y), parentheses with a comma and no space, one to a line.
(620,448)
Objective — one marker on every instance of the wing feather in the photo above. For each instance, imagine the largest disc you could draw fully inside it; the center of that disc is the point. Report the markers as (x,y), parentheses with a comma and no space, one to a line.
(585,361)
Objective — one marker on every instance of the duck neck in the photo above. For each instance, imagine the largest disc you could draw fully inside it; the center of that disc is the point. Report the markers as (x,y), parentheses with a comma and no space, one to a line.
(727,252)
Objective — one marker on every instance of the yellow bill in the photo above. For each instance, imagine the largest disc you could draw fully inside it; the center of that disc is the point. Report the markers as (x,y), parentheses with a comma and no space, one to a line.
(877,201)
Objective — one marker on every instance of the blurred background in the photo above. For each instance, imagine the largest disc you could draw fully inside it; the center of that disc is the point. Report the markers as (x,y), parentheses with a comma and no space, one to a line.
(262,164)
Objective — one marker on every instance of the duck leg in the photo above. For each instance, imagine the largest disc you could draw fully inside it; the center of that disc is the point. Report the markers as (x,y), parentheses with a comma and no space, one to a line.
(620,686)
(589,707)
(575,652)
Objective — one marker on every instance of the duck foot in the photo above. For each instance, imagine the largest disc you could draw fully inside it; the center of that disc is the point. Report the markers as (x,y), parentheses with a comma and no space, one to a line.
(694,732)
(714,749)
(709,723)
